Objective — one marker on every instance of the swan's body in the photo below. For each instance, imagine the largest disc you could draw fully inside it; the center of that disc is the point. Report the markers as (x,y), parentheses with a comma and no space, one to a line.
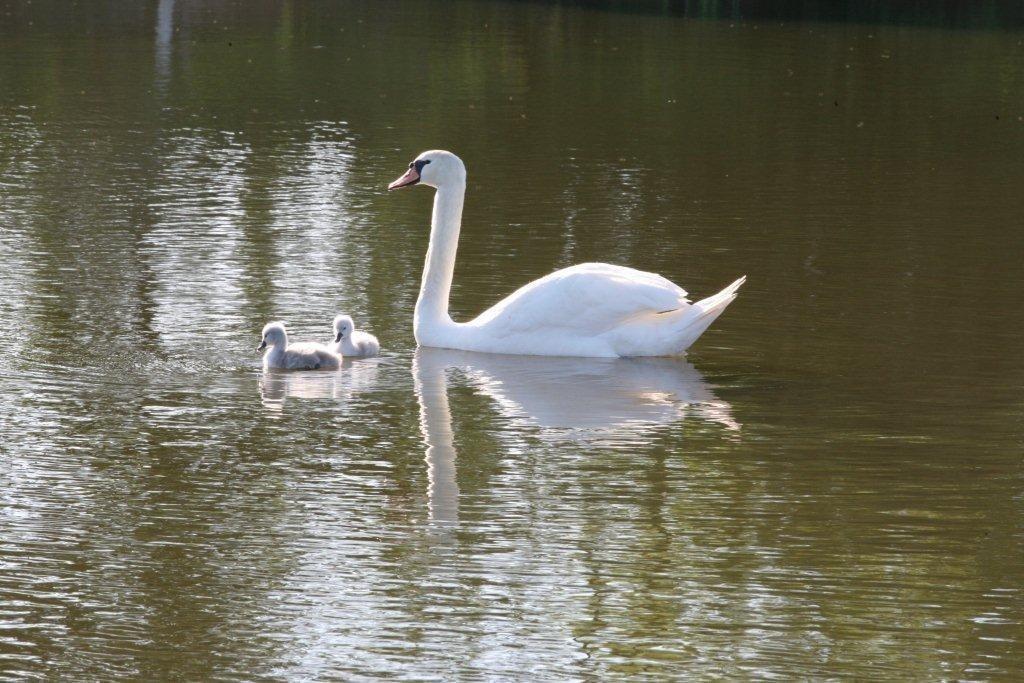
(348,341)
(592,309)
(300,356)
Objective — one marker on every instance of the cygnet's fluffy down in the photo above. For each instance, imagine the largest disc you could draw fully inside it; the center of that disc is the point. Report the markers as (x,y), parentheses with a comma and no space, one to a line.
(300,356)
(348,341)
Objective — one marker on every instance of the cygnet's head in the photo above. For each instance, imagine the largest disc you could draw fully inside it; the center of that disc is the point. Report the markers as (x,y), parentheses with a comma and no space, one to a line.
(273,335)
(435,168)
(343,327)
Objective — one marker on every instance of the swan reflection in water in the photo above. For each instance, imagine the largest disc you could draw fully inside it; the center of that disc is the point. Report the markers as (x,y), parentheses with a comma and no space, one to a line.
(277,386)
(579,399)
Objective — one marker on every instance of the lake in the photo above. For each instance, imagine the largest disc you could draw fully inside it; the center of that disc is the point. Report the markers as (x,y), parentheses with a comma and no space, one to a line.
(830,483)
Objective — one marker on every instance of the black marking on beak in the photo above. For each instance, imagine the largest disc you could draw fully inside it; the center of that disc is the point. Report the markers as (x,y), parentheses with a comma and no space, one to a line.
(262,345)
(412,176)
(340,336)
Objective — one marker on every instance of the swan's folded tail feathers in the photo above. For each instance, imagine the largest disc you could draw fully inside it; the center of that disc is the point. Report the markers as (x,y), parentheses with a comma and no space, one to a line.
(701,314)
(717,302)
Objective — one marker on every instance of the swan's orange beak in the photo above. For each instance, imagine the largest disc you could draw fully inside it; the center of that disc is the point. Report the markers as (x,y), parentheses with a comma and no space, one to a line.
(411,177)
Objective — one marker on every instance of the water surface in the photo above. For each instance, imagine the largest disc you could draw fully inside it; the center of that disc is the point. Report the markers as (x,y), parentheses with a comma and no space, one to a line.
(830,484)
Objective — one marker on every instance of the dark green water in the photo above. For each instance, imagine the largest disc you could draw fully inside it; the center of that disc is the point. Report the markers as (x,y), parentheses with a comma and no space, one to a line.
(830,485)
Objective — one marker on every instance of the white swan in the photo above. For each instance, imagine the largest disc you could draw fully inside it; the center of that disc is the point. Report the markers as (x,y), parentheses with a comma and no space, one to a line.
(348,341)
(301,356)
(592,309)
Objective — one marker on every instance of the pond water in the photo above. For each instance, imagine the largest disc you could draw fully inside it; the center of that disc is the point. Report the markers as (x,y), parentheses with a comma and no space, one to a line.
(830,484)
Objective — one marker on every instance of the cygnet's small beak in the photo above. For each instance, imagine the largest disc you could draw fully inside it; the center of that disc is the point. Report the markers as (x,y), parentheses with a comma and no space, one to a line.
(262,346)
(410,177)
(339,337)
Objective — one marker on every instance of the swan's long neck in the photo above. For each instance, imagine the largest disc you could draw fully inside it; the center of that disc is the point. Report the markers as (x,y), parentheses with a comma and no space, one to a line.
(436,286)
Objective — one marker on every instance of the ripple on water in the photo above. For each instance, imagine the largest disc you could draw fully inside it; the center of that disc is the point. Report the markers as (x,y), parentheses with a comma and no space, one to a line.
(830,488)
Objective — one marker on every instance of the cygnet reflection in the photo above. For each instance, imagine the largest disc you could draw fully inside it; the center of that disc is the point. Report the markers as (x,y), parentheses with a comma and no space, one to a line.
(277,386)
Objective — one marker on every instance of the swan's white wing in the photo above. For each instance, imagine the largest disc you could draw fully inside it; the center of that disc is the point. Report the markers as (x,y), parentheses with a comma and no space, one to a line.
(591,296)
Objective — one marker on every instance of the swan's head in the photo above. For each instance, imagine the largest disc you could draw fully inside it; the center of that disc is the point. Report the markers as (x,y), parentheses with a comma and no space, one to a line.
(435,168)
(343,327)
(273,335)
